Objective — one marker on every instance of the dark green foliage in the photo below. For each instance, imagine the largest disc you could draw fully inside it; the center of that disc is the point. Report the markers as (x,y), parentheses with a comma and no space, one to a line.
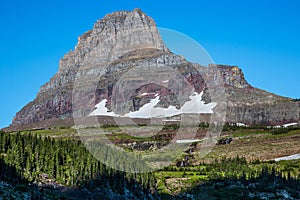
(278,131)
(228,168)
(9,173)
(233,178)
(233,127)
(66,161)
(240,188)
(109,126)
(203,125)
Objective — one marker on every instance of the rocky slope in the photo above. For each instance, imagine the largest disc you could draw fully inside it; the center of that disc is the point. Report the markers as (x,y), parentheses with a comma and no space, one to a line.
(129,44)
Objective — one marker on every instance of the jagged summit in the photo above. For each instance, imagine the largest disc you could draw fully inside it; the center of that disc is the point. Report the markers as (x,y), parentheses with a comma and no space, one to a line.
(113,31)
(110,37)
(117,44)
(123,16)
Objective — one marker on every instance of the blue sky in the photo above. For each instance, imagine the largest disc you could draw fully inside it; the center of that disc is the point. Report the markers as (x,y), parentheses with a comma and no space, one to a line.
(261,37)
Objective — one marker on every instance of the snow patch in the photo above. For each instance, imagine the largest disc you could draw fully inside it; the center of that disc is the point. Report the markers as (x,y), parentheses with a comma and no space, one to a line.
(187,141)
(145,94)
(241,125)
(284,125)
(292,157)
(171,120)
(102,110)
(290,124)
(194,106)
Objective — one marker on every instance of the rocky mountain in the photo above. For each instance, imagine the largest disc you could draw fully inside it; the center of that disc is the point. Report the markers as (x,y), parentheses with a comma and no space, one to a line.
(124,61)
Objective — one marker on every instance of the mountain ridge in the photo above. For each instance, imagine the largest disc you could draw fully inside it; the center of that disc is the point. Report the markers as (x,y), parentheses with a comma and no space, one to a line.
(123,40)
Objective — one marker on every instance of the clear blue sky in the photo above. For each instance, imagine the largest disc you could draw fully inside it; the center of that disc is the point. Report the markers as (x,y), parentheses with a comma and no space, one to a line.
(261,37)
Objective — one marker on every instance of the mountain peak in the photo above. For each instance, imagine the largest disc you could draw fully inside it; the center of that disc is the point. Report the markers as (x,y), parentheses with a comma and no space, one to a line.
(121,41)
(121,32)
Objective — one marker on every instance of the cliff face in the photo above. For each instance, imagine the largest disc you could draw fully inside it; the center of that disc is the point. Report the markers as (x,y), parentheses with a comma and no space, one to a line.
(101,45)
(124,43)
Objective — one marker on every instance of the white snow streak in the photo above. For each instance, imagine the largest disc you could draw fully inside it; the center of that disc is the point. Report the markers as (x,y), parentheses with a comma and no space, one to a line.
(187,141)
(284,125)
(194,106)
(290,124)
(292,157)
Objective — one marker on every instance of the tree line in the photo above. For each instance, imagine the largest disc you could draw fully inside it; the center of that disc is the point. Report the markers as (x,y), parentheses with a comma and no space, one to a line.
(66,161)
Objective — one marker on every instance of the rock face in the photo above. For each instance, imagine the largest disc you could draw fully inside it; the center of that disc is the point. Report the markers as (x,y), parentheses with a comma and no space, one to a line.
(129,43)
(54,99)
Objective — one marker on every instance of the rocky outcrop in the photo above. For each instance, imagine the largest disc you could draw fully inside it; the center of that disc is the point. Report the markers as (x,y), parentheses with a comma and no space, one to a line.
(262,108)
(126,43)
